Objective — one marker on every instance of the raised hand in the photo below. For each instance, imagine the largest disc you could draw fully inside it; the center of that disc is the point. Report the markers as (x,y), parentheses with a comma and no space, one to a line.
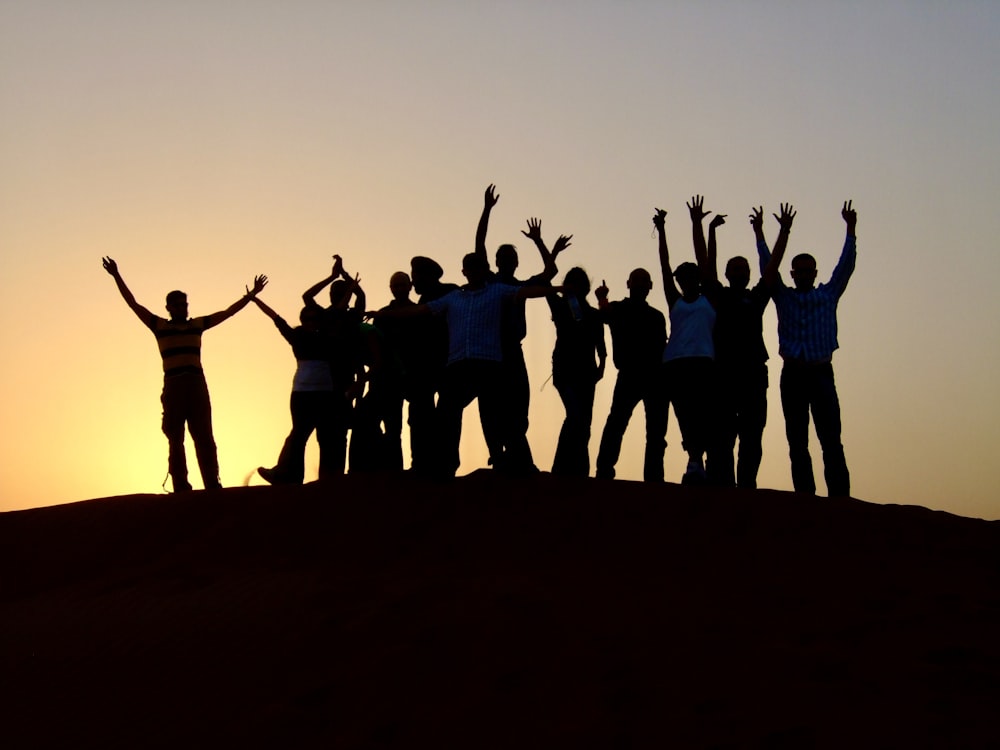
(490,197)
(602,291)
(110,266)
(717,221)
(849,214)
(534,230)
(259,282)
(697,208)
(786,217)
(660,218)
(338,266)
(757,219)
(561,244)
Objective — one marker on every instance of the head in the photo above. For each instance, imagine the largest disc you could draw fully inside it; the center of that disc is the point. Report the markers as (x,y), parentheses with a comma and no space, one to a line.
(425,273)
(576,283)
(400,286)
(639,283)
(506,260)
(738,272)
(475,269)
(804,271)
(309,317)
(177,305)
(688,278)
(340,292)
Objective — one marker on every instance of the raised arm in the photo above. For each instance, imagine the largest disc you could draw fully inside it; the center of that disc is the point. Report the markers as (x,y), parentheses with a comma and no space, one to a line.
(669,288)
(141,312)
(603,305)
(696,207)
(259,282)
(770,272)
(279,321)
(534,233)
(848,256)
(490,199)
(309,295)
(763,251)
(710,271)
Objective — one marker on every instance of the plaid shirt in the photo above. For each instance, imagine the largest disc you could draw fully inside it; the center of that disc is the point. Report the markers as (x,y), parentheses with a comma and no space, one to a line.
(807,321)
(474,318)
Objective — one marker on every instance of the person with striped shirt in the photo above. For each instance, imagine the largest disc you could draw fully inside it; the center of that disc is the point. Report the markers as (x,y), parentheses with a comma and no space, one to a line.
(185,393)
(807,339)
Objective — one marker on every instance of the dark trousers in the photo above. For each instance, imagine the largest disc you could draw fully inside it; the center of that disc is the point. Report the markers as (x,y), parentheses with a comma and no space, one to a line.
(326,413)
(741,412)
(689,384)
(506,432)
(631,387)
(185,401)
(463,382)
(372,447)
(809,388)
(573,449)
(421,393)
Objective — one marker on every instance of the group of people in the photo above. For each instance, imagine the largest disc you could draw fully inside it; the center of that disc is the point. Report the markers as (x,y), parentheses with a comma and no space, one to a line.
(356,369)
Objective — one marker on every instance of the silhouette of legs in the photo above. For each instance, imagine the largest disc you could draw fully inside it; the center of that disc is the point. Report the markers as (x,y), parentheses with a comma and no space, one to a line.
(463,382)
(185,401)
(506,433)
(573,449)
(631,387)
(741,398)
(422,422)
(806,387)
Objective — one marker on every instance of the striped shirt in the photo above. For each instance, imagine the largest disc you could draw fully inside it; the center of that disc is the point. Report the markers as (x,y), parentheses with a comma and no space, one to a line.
(807,320)
(474,321)
(180,344)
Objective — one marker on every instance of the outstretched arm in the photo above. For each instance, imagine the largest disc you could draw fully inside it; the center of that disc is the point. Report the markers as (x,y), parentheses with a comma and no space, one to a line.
(770,273)
(534,233)
(141,312)
(259,282)
(849,255)
(279,321)
(669,288)
(763,251)
(490,199)
(697,210)
(710,271)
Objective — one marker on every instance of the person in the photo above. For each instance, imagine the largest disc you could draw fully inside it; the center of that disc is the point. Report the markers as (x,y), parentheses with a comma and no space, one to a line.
(425,371)
(807,339)
(688,358)
(517,390)
(475,352)
(401,348)
(185,396)
(313,404)
(638,335)
(578,361)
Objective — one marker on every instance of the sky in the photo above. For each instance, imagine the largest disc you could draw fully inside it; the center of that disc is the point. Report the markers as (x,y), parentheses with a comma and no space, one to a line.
(201,143)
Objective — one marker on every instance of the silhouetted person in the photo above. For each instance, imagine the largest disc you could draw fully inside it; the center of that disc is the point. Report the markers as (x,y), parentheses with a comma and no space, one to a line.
(688,357)
(185,393)
(578,361)
(313,404)
(400,338)
(638,335)
(807,338)
(370,448)
(340,324)
(425,373)
(516,456)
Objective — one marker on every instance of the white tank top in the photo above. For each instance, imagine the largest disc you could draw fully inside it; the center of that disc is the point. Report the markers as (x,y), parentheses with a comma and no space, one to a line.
(691,325)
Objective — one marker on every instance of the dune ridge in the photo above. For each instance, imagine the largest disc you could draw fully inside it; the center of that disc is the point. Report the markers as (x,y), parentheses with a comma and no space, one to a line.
(382,611)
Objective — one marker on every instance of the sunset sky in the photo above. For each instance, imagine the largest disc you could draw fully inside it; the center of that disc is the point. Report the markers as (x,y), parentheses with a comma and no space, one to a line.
(201,143)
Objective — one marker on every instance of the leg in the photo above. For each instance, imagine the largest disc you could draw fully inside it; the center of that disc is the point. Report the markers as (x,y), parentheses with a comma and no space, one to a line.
(573,450)
(420,417)
(826,413)
(172,400)
(514,394)
(719,464)
(795,405)
(459,387)
(751,420)
(657,407)
(627,395)
(331,432)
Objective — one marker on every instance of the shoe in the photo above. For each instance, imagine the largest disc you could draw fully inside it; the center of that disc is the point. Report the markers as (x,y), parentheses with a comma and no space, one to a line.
(695,473)
(268,475)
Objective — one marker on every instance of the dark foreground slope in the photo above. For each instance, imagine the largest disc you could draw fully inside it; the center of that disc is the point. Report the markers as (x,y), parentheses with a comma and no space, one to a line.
(497,613)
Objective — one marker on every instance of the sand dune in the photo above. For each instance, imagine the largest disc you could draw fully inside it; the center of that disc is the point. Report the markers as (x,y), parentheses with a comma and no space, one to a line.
(496,613)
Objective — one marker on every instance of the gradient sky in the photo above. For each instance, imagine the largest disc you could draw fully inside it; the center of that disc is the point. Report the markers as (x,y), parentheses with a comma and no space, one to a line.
(200,143)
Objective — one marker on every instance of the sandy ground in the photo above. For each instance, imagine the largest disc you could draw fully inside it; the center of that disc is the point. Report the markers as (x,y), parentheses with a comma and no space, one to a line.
(496,613)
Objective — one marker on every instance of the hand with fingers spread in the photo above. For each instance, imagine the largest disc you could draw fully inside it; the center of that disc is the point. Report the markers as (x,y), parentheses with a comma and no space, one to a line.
(786,218)
(561,244)
(534,232)
(490,197)
(757,219)
(697,208)
(259,282)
